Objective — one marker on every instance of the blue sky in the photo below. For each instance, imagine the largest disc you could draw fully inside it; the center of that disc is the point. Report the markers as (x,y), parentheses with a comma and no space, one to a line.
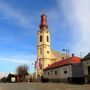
(69,25)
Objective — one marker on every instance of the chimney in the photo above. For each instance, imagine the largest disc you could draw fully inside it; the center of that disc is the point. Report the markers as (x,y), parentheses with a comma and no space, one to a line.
(72,54)
(62,58)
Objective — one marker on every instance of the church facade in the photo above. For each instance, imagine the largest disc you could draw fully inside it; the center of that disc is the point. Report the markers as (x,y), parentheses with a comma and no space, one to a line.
(45,54)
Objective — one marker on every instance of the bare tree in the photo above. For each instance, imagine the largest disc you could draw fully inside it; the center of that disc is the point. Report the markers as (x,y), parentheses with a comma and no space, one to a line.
(22,71)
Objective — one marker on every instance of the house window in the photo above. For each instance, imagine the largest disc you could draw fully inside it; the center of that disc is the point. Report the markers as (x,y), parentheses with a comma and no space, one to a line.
(40,50)
(48,73)
(88,70)
(65,72)
(40,38)
(47,39)
(55,72)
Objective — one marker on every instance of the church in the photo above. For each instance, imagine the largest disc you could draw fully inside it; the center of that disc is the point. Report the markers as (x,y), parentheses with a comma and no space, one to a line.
(45,54)
(57,66)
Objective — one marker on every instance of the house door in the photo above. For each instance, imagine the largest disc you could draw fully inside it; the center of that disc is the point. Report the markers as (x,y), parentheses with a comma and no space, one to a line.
(88,70)
(88,74)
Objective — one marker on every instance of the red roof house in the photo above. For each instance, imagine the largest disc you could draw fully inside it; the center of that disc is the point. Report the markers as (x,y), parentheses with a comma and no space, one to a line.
(70,60)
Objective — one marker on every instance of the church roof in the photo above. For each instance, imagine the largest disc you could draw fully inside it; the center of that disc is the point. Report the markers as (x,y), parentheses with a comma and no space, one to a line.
(70,60)
(87,56)
(58,55)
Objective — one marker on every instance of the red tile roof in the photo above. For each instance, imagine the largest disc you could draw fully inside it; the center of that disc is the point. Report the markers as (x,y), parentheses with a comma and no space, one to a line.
(70,60)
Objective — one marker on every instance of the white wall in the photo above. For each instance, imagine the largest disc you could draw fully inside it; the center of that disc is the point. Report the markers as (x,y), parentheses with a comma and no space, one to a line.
(86,63)
(60,72)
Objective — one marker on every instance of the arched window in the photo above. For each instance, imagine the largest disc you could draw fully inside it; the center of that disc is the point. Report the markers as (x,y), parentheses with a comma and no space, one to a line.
(48,52)
(47,39)
(40,38)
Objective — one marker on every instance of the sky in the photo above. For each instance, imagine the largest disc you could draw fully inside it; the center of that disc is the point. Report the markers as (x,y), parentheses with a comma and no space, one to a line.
(69,26)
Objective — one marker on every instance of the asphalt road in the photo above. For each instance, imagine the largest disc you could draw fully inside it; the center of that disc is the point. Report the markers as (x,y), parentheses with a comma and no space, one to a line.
(42,86)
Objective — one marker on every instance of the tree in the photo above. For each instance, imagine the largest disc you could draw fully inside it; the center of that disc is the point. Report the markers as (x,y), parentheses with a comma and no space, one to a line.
(3,79)
(22,71)
(9,77)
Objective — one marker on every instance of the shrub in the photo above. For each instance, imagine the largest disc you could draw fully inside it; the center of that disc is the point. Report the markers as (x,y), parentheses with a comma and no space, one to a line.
(44,80)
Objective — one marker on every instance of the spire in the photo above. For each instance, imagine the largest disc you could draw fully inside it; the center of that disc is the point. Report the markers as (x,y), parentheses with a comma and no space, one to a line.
(43,24)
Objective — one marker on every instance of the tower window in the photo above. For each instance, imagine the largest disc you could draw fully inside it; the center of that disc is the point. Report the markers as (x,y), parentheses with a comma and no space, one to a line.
(47,39)
(40,38)
(48,52)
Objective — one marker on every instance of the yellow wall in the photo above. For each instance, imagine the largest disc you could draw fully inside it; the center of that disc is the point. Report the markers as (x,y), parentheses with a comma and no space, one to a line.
(47,56)
(45,46)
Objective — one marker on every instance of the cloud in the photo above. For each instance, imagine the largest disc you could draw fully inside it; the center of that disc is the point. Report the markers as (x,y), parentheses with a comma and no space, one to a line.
(11,14)
(77,12)
(13,61)
(3,74)
(21,59)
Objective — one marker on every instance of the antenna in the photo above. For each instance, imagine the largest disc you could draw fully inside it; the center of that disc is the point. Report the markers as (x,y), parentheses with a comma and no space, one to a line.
(42,12)
(81,54)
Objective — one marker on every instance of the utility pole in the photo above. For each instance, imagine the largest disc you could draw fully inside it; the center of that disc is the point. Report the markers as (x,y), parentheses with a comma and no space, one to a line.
(81,54)
(67,52)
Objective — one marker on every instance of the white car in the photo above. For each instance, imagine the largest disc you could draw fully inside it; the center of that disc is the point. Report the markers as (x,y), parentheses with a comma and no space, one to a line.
(13,79)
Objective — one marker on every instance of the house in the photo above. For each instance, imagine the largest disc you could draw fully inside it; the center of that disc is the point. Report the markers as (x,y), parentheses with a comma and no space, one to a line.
(11,78)
(86,68)
(65,70)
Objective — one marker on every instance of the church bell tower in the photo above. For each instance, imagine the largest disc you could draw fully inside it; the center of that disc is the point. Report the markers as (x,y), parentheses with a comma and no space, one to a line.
(43,48)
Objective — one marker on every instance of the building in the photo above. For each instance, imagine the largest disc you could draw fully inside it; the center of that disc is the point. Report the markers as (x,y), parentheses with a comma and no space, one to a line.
(11,78)
(45,54)
(65,70)
(86,68)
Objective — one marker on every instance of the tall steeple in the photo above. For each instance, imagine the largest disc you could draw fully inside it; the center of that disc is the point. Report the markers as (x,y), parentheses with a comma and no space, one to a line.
(43,47)
(43,25)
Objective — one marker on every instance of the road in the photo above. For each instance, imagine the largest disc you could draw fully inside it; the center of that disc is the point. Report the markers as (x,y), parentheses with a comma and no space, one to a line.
(42,86)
